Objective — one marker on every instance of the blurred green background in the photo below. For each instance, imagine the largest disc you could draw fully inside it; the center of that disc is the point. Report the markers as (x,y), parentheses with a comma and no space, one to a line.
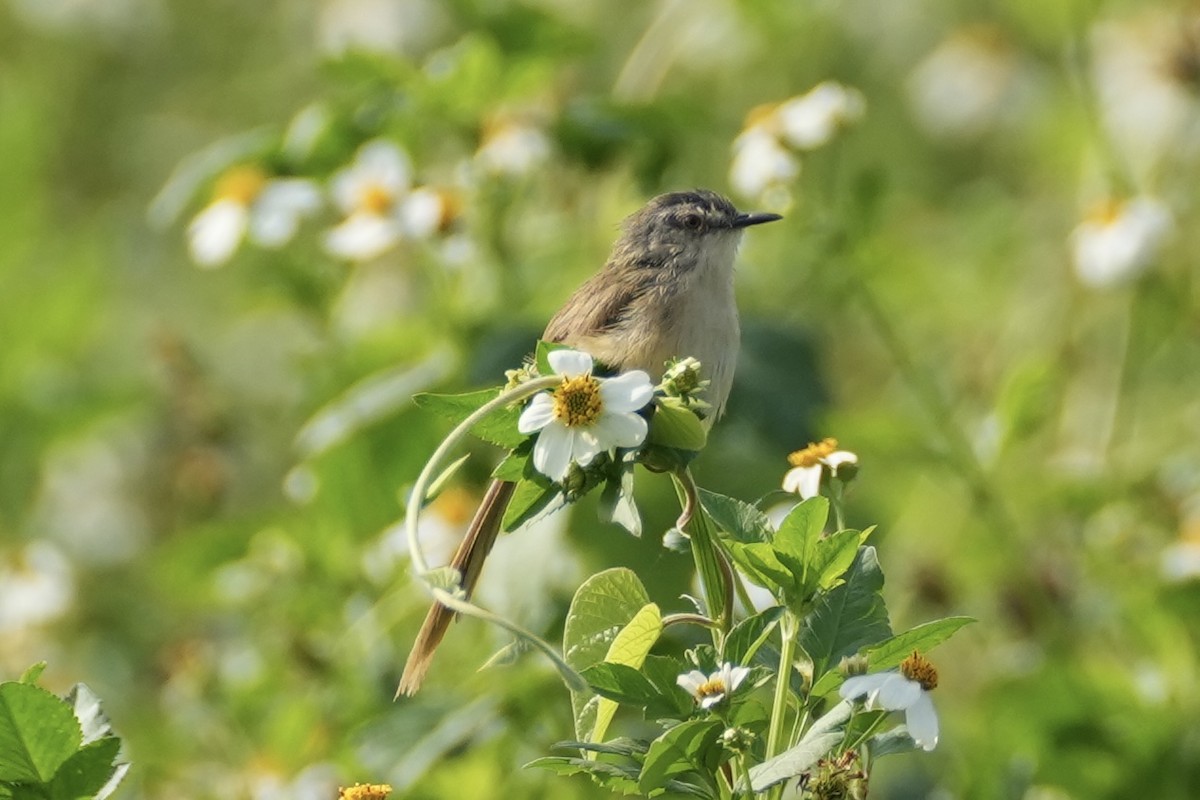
(199,469)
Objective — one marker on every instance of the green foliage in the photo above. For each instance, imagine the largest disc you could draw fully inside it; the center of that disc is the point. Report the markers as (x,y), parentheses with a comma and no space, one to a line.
(55,749)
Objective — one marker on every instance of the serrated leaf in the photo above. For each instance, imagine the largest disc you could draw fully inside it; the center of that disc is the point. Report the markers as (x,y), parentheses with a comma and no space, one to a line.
(740,521)
(683,748)
(629,648)
(674,425)
(38,732)
(602,606)
(748,635)
(617,504)
(761,564)
(620,683)
(514,466)
(924,637)
(86,772)
(615,777)
(833,557)
(847,617)
(498,427)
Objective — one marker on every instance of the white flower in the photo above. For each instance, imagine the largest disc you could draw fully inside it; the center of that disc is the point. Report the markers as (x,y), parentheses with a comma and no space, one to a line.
(36,587)
(247,202)
(907,691)
(585,415)
(808,464)
(375,193)
(512,148)
(708,690)
(1119,240)
(966,85)
(811,120)
(760,162)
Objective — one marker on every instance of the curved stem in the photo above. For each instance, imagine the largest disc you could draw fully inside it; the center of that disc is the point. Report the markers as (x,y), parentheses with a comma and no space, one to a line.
(421,487)
(690,619)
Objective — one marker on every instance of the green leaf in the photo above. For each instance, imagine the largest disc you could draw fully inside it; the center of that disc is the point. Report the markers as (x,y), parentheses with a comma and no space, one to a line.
(86,772)
(622,746)
(847,617)
(602,606)
(616,777)
(663,673)
(760,562)
(439,483)
(530,498)
(824,735)
(890,742)
(32,674)
(799,534)
(499,427)
(621,683)
(923,638)
(38,733)
(675,425)
(747,636)
(514,467)
(833,557)
(683,748)
(629,648)
(740,521)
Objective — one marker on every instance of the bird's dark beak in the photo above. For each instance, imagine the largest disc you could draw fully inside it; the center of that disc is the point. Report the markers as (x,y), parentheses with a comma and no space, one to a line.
(746,220)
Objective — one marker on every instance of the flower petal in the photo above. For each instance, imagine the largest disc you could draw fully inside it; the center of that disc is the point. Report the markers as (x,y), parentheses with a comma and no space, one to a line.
(552,451)
(691,682)
(620,430)
(711,700)
(629,391)
(276,214)
(383,162)
(569,363)
(736,676)
(362,237)
(216,232)
(859,685)
(921,719)
(804,481)
(897,693)
(538,414)
(585,446)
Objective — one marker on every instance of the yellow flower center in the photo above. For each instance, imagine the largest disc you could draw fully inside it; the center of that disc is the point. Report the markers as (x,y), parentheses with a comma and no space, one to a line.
(241,184)
(710,687)
(812,455)
(918,668)
(763,115)
(1107,212)
(375,199)
(365,791)
(577,401)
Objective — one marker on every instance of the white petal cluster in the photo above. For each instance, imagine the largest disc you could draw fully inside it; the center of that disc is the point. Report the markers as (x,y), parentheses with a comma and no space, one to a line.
(1118,241)
(563,440)
(764,156)
(810,463)
(511,147)
(247,204)
(708,690)
(891,691)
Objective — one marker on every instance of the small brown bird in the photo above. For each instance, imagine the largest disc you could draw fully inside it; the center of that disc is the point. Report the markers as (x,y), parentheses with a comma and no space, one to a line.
(666,291)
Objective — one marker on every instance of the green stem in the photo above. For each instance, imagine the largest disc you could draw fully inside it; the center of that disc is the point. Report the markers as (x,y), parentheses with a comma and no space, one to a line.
(743,778)
(789,628)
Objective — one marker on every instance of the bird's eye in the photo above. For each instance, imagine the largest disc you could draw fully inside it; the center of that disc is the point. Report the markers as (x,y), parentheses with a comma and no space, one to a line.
(692,222)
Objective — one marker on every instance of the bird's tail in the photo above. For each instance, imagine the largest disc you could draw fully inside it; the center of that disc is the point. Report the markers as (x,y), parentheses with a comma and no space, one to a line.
(468,560)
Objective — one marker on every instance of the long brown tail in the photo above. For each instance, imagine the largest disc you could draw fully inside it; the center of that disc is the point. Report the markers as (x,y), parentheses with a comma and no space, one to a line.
(468,560)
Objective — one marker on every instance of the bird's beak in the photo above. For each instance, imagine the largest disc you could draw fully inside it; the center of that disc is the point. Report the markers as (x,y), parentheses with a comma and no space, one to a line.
(746,220)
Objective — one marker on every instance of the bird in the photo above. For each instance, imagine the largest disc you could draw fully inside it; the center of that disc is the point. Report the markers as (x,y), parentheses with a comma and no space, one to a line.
(666,291)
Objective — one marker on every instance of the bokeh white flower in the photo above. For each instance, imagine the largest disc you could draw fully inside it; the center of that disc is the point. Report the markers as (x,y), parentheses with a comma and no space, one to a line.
(760,162)
(708,690)
(585,415)
(906,690)
(381,207)
(1119,240)
(966,85)
(247,203)
(813,119)
(811,462)
(36,587)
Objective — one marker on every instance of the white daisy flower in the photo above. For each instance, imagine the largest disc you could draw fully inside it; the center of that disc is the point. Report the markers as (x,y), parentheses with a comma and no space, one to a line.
(374,194)
(811,120)
(246,203)
(585,415)
(708,690)
(907,690)
(1119,240)
(808,465)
